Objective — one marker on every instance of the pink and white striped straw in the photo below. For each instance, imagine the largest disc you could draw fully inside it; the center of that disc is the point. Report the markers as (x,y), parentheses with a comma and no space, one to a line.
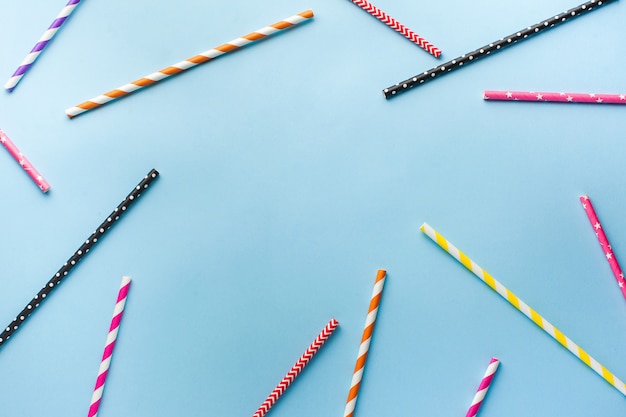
(118,311)
(593,98)
(483,388)
(604,243)
(398,27)
(297,367)
(24,163)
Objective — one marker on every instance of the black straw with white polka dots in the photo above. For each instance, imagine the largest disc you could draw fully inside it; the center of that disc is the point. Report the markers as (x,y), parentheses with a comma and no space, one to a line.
(78,255)
(496,46)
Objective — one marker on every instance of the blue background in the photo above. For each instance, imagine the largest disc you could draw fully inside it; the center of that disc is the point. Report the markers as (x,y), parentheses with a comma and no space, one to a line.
(286,181)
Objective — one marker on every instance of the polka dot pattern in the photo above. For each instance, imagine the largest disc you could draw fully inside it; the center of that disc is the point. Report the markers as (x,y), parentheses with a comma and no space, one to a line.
(496,46)
(82,251)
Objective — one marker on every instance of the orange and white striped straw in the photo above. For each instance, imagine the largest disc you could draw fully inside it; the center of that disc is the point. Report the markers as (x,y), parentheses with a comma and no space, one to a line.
(365,343)
(201,58)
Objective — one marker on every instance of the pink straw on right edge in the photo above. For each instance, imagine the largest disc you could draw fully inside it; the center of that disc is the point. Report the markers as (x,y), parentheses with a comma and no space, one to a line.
(604,242)
(103,371)
(482,389)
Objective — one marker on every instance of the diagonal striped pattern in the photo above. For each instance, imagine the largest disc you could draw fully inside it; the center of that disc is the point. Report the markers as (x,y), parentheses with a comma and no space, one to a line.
(485,383)
(41,44)
(604,243)
(118,311)
(370,321)
(201,58)
(297,368)
(398,27)
(524,308)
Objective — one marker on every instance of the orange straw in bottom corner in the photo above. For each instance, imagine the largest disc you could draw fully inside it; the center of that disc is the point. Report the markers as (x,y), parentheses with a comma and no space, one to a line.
(365,343)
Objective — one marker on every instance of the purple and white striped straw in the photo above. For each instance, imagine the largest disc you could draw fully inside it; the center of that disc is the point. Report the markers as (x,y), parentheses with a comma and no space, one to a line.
(41,44)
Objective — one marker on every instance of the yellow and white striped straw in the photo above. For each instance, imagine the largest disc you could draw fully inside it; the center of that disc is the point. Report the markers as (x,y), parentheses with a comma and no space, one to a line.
(524,308)
(179,67)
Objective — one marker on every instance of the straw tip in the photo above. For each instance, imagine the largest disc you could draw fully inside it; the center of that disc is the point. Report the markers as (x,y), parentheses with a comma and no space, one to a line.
(423,227)
(584,197)
(307,13)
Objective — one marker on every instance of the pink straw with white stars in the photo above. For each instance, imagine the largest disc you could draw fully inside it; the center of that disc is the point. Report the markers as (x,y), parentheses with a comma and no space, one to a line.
(483,388)
(24,163)
(604,242)
(497,95)
(109,346)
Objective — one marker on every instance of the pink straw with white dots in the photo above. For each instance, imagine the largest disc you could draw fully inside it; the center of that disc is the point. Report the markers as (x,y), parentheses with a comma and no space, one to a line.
(604,242)
(24,163)
(108,348)
(590,98)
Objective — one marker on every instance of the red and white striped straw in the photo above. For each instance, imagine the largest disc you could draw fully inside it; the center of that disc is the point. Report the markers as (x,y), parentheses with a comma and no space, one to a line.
(24,163)
(593,98)
(365,343)
(483,388)
(118,311)
(297,368)
(398,27)
(604,243)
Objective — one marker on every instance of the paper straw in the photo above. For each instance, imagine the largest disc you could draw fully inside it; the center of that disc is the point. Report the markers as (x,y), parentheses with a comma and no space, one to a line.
(370,321)
(297,368)
(495,46)
(483,388)
(524,308)
(41,44)
(78,255)
(496,95)
(103,371)
(604,243)
(201,58)
(24,163)
(398,27)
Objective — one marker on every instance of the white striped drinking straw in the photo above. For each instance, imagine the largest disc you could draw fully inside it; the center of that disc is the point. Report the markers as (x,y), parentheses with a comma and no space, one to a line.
(41,44)
(297,368)
(103,371)
(177,68)
(366,339)
(524,308)
(485,383)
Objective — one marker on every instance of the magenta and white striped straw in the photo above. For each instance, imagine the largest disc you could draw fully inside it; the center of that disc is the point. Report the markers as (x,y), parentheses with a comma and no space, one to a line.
(41,44)
(604,243)
(483,388)
(593,98)
(109,346)
(24,163)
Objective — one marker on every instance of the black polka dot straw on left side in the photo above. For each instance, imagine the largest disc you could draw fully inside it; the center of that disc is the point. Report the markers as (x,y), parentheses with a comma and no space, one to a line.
(78,255)
(489,49)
